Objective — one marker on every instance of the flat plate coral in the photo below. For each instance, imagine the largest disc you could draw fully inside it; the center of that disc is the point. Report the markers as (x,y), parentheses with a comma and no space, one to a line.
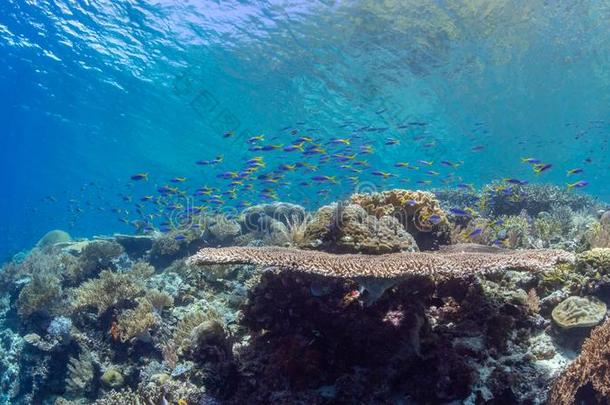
(443,263)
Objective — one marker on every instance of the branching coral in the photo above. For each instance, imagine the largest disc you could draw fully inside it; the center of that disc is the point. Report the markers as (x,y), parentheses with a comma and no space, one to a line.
(41,294)
(591,368)
(594,260)
(184,334)
(159,299)
(448,263)
(106,291)
(137,322)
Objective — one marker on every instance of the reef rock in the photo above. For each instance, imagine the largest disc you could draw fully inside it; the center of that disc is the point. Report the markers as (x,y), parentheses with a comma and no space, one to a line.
(353,230)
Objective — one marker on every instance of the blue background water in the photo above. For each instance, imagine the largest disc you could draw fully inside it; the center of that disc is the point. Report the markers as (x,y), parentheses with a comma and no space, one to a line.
(95,91)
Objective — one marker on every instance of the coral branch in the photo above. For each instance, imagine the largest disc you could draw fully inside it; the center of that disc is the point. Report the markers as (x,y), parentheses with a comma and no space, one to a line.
(591,367)
(445,263)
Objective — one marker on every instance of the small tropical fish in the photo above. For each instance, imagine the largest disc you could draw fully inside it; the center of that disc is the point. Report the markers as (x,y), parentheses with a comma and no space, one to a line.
(294,147)
(425,162)
(542,167)
(411,203)
(321,179)
(424,182)
(385,175)
(432,173)
(178,179)
(478,148)
(228,134)
(344,141)
(459,212)
(179,237)
(268,148)
(575,171)
(530,160)
(255,139)
(140,176)
(287,167)
(465,186)
(434,218)
(474,233)
(401,164)
(578,184)
(451,164)
(392,141)
(515,181)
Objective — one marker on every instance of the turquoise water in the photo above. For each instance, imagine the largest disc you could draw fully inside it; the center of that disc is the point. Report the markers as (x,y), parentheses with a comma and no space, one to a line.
(95,92)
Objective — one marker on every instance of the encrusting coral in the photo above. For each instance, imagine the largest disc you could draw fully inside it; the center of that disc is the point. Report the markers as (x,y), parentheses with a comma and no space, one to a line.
(589,372)
(579,312)
(452,264)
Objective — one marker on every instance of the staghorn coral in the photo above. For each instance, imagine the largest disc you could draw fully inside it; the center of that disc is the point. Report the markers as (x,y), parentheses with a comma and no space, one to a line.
(137,322)
(590,370)
(447,263)
(41,294)
(106,291)
(579,312)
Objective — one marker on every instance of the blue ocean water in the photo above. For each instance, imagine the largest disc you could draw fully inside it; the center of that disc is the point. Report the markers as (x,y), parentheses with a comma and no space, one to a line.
(94,92)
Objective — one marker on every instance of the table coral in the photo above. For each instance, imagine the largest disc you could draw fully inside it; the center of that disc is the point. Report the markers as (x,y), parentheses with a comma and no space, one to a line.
(452,264)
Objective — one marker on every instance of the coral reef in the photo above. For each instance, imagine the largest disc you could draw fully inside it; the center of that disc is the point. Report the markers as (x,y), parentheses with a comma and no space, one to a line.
(393,297)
